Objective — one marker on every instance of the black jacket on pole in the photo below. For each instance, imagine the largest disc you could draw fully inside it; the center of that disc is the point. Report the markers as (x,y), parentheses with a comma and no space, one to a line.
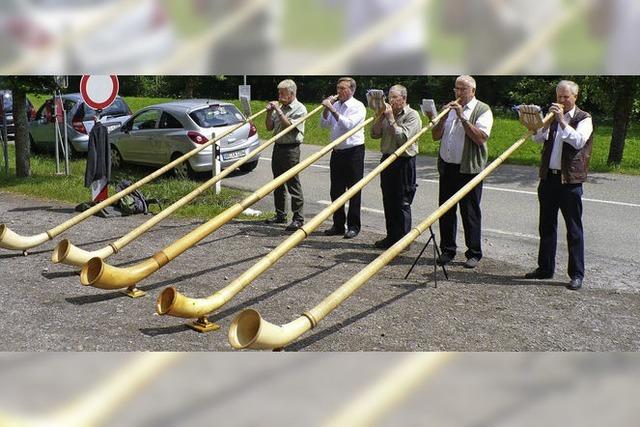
(98,156)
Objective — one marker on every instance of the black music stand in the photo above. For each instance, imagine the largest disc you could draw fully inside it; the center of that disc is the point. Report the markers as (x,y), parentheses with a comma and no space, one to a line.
(436,255)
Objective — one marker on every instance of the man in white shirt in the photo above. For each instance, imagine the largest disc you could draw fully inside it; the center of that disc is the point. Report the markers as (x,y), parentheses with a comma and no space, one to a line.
(463,154)
(563,168)
(342,112)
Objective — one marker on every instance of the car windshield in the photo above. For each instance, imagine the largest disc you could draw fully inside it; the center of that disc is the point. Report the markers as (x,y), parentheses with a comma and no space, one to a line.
(117,109)
(216,115)
(6,103)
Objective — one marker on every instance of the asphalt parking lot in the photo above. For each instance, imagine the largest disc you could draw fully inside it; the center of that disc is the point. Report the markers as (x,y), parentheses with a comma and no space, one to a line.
(489,309)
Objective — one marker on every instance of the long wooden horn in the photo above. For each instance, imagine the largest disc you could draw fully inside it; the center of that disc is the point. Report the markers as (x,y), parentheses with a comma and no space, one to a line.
(99,274)
(12,240)
(173,303)
(250,330)
(65,252)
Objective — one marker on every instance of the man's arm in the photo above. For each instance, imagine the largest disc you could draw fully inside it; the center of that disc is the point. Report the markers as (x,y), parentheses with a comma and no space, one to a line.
(480,131)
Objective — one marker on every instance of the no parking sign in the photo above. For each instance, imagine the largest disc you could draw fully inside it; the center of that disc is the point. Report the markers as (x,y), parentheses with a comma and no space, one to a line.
(98,92)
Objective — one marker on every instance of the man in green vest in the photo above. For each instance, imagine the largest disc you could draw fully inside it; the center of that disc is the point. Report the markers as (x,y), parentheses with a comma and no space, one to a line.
(463,154)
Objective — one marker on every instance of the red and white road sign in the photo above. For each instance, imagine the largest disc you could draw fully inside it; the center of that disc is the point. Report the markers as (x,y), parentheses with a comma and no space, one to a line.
(98,92)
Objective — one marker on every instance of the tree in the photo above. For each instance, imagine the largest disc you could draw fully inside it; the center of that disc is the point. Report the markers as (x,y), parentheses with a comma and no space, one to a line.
(20,86)
(625,91)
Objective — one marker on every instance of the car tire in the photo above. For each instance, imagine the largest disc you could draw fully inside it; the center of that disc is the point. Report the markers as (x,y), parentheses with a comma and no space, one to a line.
(248,167)
(33,148)
(116,159)
(183,170)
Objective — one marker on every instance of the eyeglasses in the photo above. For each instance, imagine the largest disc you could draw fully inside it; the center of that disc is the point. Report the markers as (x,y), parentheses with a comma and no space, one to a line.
(461,89)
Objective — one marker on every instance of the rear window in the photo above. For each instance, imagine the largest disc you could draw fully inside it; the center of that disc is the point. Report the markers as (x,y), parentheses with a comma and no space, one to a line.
(216,115)
(118,109)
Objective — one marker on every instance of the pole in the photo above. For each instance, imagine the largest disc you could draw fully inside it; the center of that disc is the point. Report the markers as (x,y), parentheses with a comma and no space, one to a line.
(216,165)
(57,132)
(66,139)
(5,138)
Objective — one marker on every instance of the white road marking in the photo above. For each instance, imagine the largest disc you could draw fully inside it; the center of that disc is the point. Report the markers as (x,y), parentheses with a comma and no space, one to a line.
(510,190)
(533,193)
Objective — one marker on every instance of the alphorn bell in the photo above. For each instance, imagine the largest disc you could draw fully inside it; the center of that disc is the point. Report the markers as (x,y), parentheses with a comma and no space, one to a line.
(99,274)
(249,330)
(65,252)
(173,303)
(12,240)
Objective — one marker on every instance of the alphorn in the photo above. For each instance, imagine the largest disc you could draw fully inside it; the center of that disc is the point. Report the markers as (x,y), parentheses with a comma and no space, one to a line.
(95,406)
(173,303)
(12,240)
(65,252)
(99,274)
(249,330)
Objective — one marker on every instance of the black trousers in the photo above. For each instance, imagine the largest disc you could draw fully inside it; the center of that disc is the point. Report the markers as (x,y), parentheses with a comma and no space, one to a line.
(553,195)
(347,168)
(284,157)
(451,180)
(398,184)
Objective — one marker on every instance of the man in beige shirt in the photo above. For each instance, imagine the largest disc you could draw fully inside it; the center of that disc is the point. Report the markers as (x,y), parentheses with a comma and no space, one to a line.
(395,126)
(286,152)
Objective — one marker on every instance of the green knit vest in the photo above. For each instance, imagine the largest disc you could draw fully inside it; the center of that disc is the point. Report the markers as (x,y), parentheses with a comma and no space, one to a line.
(474,157)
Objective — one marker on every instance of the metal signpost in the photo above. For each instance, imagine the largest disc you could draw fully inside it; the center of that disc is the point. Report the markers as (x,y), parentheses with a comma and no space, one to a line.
(5,137)
(60,119)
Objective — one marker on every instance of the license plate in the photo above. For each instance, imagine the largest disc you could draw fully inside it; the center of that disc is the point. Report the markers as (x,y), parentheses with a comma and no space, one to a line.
(233,155)
(112,128)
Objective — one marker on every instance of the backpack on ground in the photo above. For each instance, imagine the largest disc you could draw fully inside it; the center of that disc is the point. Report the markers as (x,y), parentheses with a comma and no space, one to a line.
(134,202)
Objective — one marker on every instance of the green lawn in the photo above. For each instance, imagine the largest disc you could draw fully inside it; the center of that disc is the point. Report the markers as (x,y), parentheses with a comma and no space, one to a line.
(45,184)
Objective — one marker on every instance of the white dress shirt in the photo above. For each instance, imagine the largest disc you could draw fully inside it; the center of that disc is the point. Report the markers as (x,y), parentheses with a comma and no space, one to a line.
(574,137)
(454,134)
(350,114)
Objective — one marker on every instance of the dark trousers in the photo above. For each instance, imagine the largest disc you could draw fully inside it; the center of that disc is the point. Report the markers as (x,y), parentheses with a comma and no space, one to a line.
(398,184)
(553,195)
(286,156)
(347,168)
(451,180)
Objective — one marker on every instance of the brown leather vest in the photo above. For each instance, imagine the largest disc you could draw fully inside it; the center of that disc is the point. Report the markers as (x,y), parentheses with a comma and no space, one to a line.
(575,163)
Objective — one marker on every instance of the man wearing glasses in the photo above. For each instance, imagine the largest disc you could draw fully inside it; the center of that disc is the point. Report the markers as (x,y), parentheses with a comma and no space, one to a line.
(463,154)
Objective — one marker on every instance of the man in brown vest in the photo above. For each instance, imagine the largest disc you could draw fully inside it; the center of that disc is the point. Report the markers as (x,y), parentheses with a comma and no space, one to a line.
(563,169)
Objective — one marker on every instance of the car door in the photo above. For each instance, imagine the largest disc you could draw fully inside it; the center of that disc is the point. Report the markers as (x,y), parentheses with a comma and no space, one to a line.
(42,128)
(135,142)
(170,138)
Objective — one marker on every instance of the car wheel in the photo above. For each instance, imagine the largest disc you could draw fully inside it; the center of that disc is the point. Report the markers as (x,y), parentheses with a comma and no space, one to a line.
(116,158)
(32,146)
(248,167)
(183,170)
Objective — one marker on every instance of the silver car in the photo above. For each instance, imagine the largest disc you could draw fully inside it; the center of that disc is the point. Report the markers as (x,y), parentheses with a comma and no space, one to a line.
(79,122)
(161,133)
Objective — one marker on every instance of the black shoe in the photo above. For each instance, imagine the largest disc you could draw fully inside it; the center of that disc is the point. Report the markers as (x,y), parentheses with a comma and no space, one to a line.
(295,224)
(575,284)
(351,233)
(385,243)
(538,274)
(444,259)
(334,231)
(276,220)
(471,262)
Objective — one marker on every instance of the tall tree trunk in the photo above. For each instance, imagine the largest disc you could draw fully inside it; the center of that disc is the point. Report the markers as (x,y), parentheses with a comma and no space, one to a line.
(23,149)
(625,91)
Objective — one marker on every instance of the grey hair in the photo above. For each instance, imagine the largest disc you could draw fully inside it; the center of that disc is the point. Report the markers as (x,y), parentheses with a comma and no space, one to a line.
(400,89)
(289,85)
(351,81)
(468,80)
(573,86)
